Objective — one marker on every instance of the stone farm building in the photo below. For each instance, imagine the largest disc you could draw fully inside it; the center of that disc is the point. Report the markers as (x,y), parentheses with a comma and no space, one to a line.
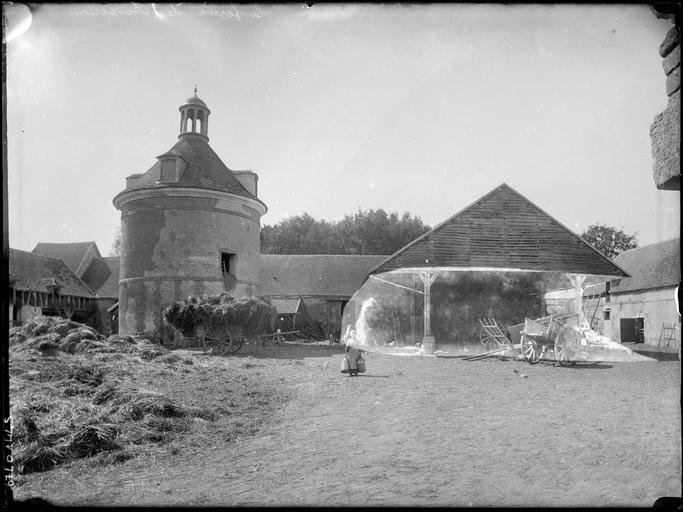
(641,308)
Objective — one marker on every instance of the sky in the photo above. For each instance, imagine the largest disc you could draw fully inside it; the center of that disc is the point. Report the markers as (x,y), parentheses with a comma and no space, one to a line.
(419,109)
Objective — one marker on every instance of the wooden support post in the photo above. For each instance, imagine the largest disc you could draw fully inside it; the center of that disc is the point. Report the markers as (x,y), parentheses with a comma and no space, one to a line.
(428,341)
(577,281)
(411,310)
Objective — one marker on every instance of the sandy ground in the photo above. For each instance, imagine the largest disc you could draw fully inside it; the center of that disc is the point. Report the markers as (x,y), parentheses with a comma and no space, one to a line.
(425,431)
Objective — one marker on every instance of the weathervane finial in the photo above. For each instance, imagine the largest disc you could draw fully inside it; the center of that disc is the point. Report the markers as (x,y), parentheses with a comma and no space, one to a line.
(195,89)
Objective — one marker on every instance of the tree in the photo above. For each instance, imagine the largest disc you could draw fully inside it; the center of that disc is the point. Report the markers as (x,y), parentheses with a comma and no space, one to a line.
(116,244)
(365,232)
(608,240)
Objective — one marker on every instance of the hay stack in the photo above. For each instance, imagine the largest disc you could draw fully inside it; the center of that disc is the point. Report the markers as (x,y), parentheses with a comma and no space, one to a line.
(48,335)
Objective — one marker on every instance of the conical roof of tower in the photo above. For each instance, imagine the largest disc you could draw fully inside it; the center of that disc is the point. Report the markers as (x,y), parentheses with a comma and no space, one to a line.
(203,169)
(502,230)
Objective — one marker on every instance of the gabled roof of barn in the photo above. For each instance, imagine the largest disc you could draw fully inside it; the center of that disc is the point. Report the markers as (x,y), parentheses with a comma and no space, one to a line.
(502,230)
(651,266)
(33,272)
(314,274)
(71,253)
(204,169)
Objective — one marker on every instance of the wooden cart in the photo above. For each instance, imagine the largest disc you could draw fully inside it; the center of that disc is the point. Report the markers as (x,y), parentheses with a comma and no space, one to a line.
(550,333)
(215,337)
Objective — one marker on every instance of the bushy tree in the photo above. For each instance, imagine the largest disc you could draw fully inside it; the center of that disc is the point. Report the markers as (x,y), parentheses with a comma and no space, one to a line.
(608,240)
(116,244)
(365,232)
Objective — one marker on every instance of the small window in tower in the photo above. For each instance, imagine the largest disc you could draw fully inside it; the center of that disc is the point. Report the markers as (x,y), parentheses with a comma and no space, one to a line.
(168,170)
(228,270)
(606,314)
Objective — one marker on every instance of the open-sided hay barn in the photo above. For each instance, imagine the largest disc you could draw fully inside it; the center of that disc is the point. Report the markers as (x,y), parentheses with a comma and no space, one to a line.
(493,259)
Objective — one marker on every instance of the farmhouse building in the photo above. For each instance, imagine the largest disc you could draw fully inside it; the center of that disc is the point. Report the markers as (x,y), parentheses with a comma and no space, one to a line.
(100,274)
(41,285)
(70,279)
(641,308)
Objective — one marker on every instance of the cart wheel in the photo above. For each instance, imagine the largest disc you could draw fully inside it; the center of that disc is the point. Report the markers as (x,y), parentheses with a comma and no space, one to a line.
(531,350)
(218,340)
(235,344)
(566,346)
(486,339)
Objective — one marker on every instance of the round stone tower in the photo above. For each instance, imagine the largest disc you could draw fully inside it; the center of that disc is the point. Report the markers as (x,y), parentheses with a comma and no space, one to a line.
(189,225)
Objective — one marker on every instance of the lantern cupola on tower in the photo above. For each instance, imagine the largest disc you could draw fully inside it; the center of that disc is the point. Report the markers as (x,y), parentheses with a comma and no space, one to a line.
(194,117)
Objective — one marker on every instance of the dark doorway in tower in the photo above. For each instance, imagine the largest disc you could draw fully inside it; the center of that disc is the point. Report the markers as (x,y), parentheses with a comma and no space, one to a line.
(228,271)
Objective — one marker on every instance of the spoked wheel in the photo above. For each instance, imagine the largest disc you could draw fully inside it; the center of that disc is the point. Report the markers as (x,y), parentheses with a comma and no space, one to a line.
(567,346)
(218,340)
(531,350)
(486,339)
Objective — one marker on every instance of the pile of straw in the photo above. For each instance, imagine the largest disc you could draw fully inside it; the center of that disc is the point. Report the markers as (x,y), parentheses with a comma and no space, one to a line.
(48,433)
(48,335)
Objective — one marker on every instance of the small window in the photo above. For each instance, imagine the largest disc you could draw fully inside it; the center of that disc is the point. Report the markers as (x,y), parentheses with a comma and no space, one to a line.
(606,314)
(168,170)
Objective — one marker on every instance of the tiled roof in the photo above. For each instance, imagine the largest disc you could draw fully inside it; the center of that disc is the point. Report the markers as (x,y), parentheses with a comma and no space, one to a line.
(502,229)
(204,169)
(651,266)
(314,274)
(72,253)
(107,272)
(34,272)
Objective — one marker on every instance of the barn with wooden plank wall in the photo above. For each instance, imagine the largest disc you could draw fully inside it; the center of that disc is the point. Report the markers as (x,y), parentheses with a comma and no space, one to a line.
(493,259)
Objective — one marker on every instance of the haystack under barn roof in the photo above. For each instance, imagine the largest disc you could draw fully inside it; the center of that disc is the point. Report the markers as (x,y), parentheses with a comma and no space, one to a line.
(501,231)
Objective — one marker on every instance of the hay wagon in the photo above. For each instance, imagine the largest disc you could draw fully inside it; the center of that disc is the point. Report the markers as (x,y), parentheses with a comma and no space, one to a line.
(217,337)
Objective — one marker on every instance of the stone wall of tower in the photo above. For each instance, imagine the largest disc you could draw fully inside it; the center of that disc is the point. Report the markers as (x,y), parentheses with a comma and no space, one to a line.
(171,246)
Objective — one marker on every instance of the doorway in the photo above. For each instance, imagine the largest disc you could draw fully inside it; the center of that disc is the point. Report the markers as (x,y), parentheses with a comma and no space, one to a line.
(632,330)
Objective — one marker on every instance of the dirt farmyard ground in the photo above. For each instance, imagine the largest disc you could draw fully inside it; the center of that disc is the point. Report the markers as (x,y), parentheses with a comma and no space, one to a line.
(410,431)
